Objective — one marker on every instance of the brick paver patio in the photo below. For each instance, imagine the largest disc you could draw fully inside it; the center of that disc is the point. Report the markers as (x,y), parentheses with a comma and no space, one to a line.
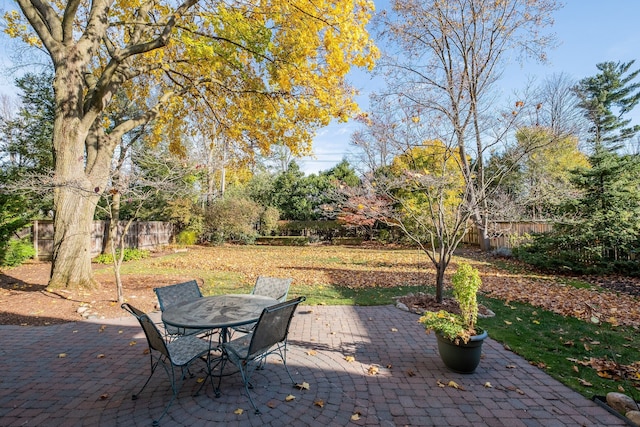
(393,380)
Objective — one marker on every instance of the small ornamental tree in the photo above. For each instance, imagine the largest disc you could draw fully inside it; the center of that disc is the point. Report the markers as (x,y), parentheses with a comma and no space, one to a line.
(458,327)
(444,63)
(362,211)
(154,173)
(429,202)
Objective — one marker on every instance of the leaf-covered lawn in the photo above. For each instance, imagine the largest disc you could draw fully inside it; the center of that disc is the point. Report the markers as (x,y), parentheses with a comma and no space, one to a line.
(310,265)
(357,268)
(335,274)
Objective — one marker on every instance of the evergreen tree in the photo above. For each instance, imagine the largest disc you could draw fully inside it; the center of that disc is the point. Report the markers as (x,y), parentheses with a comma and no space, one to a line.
(27,138)
(293,195)
(604,222)
(606,98)
(608,213)
(25,149)
(342,172)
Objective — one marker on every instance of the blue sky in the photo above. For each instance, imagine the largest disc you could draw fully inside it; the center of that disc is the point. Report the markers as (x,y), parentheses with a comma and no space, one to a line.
(589,32)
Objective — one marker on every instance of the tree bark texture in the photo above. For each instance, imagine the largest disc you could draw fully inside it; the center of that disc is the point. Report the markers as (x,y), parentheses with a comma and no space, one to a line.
(73,221)
(76,192)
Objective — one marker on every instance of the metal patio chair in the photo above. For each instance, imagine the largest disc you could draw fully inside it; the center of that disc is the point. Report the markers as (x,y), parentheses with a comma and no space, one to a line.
(180,352)
(249,352)
(179,293)
(274,287)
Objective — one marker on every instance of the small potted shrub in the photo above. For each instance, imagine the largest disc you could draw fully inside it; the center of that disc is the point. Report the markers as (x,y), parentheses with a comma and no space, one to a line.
(459,341)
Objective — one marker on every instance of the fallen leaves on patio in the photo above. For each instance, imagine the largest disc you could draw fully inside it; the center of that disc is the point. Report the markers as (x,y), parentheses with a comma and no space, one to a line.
(303,386)
(514,388)
(350,359)
(239,411)
(451,384)
(319,403)
(289,398)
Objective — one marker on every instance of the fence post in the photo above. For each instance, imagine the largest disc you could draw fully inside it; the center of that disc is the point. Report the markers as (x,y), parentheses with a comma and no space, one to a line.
(34,233)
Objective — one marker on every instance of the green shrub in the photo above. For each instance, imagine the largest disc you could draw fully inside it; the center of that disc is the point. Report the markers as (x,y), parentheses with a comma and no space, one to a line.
(269,220)
(129,255)
(17,252)
(351,241)
(232,219)
(385,236)
(562,253)
(551,252)
(283,240)
(187,237)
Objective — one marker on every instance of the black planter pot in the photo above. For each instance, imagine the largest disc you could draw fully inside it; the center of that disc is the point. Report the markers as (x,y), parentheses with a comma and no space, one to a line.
(462,358)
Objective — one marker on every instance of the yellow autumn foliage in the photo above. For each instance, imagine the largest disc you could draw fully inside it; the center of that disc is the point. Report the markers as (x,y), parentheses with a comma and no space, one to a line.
(433,182)
(256,73)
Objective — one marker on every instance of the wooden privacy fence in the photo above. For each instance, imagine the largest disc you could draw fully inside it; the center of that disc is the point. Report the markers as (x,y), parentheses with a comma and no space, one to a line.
(506,234)
(141,235)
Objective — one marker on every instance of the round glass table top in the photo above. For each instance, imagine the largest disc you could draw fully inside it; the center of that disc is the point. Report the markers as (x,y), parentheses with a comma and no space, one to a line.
(219,311)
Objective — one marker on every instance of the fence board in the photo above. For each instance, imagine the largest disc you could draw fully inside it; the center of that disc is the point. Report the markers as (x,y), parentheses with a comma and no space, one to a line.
(141,235)
(506,234)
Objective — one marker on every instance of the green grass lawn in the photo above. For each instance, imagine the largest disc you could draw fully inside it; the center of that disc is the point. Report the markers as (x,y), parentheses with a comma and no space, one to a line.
(558,344)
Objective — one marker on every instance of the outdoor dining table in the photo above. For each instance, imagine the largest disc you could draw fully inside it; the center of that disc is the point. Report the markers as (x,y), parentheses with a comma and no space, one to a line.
(218,312)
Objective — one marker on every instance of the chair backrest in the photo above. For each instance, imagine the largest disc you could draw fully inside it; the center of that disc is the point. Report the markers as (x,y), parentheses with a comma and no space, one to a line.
(273,287)
(151,331)
(273,326)
(171,295)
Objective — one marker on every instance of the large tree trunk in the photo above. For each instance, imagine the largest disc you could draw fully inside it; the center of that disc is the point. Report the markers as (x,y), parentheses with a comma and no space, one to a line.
(73,221)
(75,193)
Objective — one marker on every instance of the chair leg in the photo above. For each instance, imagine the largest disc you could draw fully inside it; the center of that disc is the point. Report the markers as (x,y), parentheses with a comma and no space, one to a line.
(172,377)
(174,389)
(209,376)
(222,364)
(282,351)
(153,369)
(244,372)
